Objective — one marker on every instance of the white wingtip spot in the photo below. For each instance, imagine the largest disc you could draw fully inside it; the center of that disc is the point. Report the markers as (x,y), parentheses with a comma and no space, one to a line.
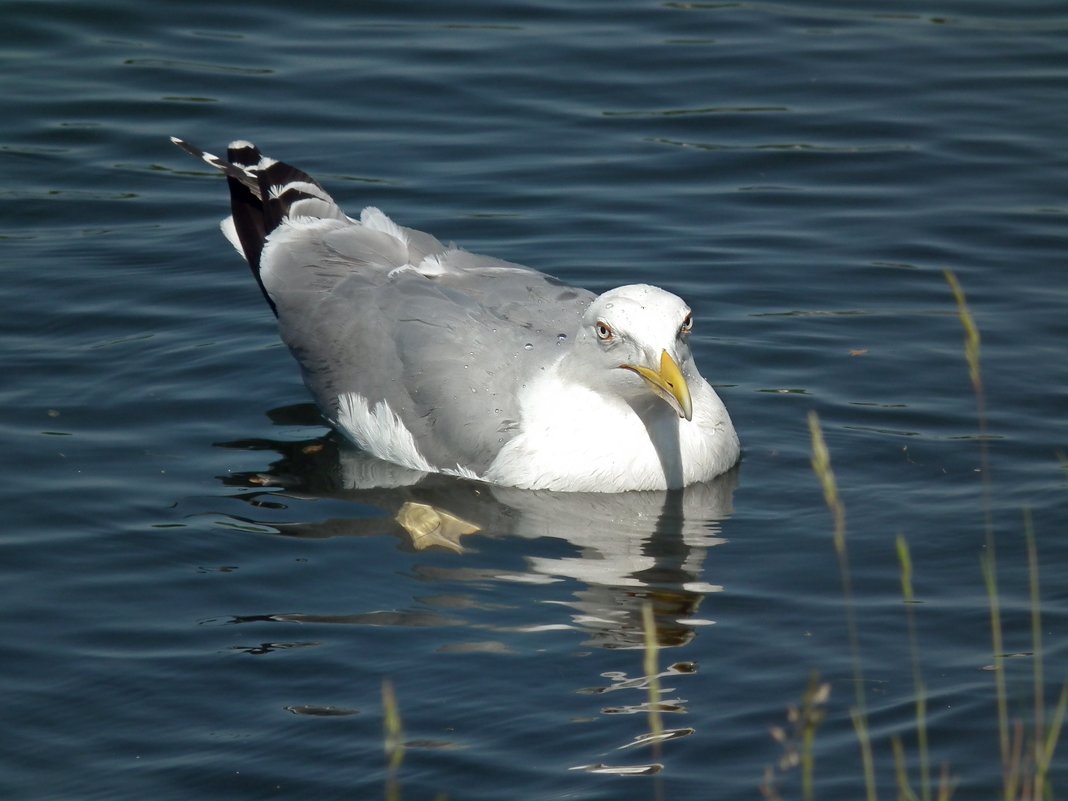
(276,191)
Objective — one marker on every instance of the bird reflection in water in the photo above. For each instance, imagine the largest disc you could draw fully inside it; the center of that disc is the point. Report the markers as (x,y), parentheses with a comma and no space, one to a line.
(626,548)
(619,552)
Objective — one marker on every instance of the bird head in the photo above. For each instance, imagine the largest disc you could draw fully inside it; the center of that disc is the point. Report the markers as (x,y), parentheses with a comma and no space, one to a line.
(634,341)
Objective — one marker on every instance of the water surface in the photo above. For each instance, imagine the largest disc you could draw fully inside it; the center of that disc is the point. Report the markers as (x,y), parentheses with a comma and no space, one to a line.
(203,595)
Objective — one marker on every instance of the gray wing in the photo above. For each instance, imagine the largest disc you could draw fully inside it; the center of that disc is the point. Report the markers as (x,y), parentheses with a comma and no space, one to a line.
(447,338)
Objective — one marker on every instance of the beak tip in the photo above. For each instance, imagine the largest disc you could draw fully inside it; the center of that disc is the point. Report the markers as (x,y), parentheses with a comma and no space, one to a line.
(668,383)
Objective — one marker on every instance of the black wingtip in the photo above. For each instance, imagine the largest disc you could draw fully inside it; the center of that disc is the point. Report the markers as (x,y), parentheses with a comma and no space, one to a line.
(247,210)
(246,206)
(244,154)
(262,192)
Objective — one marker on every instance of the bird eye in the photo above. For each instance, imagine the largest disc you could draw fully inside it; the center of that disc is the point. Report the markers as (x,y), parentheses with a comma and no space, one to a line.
(604,331)
(687,324)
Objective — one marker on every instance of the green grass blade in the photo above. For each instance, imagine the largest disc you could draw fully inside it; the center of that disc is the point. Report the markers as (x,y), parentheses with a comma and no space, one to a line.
(904,790)
(1054,733)
(393,734)
(821,465)
(971,331)
(989,566)
(652,672)
(905,560)
(1037,677)
(989,561)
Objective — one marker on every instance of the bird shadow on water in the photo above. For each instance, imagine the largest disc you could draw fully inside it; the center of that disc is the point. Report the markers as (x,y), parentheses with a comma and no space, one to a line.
(613,552)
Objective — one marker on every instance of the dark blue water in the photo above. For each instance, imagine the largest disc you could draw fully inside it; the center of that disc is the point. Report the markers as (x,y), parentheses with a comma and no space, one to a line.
(201,597)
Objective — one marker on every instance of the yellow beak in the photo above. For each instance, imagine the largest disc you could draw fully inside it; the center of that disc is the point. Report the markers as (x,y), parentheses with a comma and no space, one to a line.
(667,383)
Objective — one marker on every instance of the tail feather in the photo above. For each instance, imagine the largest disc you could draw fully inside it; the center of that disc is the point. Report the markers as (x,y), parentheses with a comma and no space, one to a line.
(263,193)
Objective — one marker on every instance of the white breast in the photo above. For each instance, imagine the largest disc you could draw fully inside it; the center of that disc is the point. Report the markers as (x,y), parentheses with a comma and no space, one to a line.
(573,438)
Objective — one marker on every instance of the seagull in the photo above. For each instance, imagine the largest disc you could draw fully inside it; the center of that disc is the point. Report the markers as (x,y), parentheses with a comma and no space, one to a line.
(443,361)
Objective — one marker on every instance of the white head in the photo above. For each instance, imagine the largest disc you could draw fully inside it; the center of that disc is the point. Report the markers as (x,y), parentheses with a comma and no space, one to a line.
(633,342)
